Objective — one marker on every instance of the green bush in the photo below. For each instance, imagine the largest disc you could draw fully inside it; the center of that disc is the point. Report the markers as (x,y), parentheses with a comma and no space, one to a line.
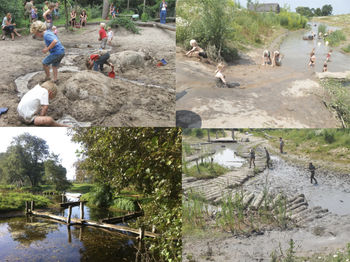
(16,201)
(346,49)
(322,28)
(144,17)
(124,204)
(100,196)
(336,37)
(199,133)
(125,22)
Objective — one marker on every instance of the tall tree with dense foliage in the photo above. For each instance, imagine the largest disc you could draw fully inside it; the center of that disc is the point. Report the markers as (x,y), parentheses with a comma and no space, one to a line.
(25,159)
(55,174)
(150,160)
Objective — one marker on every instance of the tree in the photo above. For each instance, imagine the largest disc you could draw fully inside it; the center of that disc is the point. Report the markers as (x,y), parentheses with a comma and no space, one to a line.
(150,160)
(318,12)
(55,174)
(327,10)
(25,158)
(105,9)
(304,11)
(81,173)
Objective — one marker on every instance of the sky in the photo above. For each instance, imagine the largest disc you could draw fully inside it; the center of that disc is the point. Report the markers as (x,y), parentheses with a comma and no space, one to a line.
(339,6)
(56,138)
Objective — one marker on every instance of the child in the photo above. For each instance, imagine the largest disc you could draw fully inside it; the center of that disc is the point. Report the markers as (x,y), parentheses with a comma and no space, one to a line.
(53,45)
(98,60)
(196,50)
(103,36)
(266,58)
(34,14)
(312,61)
(34,104)
(54,30)
(325,69)
(73,17)
(276,59)
(110,35)
(48,16)
(220,78)
(329,56)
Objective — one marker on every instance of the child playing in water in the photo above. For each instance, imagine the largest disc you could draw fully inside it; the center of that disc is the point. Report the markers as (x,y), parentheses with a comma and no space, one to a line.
(276,59)
(329,56)
(33,106)
(196,50)
(103,35)
(220,78)
(325,69)
(110,35)
(312,61)
(266,58)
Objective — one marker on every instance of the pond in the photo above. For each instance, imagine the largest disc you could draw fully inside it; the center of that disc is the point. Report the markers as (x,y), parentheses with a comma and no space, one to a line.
(296,52)
(38,239)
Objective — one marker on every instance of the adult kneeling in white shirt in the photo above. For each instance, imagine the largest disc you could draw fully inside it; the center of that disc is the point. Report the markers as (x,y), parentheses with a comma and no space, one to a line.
(34,105)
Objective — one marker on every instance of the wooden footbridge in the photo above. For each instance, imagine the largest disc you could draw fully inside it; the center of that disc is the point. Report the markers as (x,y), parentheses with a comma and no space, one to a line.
(103,223)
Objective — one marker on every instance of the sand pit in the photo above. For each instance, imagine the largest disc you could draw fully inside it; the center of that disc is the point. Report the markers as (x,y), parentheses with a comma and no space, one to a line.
(141,95)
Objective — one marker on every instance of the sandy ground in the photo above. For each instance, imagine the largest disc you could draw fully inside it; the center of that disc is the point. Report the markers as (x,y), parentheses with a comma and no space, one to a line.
(277,97)
(136,104)
(319,235)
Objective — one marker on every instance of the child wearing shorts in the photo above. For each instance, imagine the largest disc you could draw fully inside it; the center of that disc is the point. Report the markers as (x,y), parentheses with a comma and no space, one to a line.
(110,35)
(53,45)
(103,35)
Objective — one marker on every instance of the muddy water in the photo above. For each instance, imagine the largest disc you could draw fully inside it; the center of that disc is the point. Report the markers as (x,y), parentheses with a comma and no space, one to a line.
(225,155)
(296,52)
(332,192)
(39,239)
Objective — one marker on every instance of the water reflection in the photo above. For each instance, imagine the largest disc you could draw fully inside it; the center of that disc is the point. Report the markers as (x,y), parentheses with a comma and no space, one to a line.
(37,239)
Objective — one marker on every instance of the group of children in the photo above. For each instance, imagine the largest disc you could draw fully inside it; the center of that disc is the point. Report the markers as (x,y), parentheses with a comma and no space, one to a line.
(312,61)
(275,60)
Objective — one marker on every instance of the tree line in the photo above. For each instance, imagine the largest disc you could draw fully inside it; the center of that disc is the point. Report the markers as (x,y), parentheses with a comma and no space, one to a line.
(325,10)
(28,162)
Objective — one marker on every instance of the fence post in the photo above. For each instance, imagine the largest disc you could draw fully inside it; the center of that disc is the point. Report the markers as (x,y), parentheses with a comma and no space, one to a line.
(69,214)
(81,210)
(141,233)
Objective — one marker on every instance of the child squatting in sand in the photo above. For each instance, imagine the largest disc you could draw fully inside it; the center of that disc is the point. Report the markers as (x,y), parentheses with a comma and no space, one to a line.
(33,106)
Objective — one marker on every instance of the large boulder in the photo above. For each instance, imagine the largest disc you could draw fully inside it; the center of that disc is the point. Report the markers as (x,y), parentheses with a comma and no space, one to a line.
(128,59)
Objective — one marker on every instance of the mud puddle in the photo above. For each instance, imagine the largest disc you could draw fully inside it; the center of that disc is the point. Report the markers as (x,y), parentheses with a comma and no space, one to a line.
(331,192)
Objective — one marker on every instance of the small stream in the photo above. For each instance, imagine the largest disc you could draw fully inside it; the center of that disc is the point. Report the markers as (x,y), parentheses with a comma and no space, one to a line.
(296,52)
(332,192)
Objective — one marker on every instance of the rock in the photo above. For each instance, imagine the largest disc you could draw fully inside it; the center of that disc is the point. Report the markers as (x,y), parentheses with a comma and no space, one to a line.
(128,59)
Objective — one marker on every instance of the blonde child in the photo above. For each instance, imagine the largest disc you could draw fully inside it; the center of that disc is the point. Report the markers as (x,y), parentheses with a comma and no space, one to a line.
(110,35)
(196,50)
(103,35)
(220,78)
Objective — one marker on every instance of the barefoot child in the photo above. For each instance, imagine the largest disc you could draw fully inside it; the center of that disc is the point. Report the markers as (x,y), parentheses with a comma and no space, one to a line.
(196,50)
(325,69)
(53,45)
(110,35)
(329,56)
(266,58)
(34,14)
(48,16)
(34,105)
(98,60)
(103,36)
(220,78)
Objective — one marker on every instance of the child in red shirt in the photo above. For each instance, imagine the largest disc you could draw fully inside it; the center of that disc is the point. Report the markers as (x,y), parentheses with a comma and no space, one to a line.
(103,36)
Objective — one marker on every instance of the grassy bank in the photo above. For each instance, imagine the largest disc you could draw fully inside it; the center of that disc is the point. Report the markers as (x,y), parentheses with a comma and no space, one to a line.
(224,27)
(342,22)
(205,170)
(331,145)
(16,201)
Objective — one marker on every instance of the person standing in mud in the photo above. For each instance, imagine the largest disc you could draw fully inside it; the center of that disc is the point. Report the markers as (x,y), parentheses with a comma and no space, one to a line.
(266,58)
(276,59)
(103,36)
(252,157)
(312,169)
(281,145)
(53,45)
(268,159)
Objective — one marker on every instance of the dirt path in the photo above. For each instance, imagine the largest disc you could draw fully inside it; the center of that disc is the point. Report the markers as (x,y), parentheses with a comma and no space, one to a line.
(267,97)
(320,213)
(138,103)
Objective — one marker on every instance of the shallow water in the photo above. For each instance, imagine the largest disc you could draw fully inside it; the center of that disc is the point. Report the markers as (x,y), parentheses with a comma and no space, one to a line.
(332,192)
(296,52)
(37,239)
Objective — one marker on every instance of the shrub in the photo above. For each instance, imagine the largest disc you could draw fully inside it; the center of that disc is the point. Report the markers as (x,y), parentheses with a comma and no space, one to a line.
(322,28)
(144,17)
(199,133)
(329,136)
(101,196)
(346,49)
(124,204)
(125,22)
(336,37)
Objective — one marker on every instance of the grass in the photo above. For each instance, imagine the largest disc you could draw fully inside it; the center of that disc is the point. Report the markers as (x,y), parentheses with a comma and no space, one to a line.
(320,144)
(81,188)
(339,97)
(336,37)
(205,170)
(346,49)
(16,201)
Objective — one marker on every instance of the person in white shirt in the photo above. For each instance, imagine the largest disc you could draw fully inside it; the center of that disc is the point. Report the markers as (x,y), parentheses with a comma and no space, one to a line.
(110,35)
(220,78)
(33,106)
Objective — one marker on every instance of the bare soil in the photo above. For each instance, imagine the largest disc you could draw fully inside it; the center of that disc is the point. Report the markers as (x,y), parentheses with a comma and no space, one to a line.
(150,101)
